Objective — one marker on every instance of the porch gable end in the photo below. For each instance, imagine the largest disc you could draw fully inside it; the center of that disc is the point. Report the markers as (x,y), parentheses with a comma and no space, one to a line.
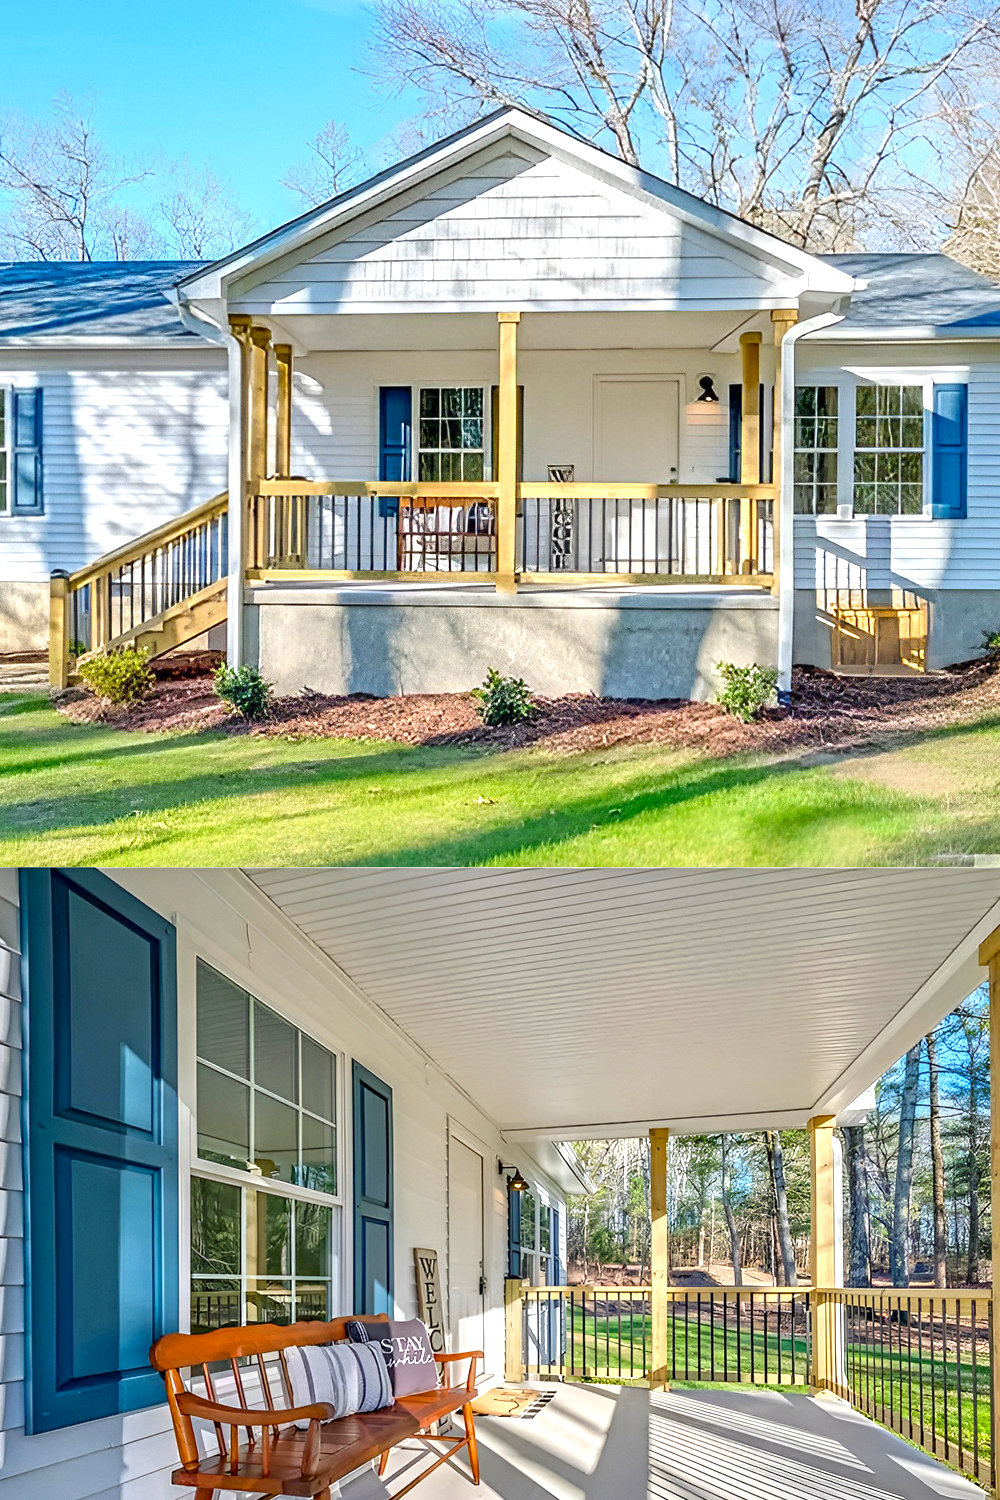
(516,225)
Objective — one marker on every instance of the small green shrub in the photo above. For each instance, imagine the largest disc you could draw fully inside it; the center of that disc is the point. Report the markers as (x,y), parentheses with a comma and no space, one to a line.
(503,700)
(747,690)
(244,689)
(991,642)
(121,677)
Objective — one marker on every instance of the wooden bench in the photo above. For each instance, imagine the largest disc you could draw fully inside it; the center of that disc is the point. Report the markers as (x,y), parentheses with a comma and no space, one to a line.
(288,1460)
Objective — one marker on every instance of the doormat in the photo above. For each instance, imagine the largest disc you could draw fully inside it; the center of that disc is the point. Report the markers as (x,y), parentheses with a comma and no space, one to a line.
(501,1403)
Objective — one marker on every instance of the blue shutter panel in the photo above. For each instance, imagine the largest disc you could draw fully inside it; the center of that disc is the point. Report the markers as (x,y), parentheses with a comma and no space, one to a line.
(950,451)
(100,1144)
(735,432)
(513,1233)
(395,424)
(26,457)
(373,1193)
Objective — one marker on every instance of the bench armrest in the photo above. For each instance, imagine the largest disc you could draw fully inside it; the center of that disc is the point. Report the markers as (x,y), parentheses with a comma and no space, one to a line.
(472,1355)
(240,1416)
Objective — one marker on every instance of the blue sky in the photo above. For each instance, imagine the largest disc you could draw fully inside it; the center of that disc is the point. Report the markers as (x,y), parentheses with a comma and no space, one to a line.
(240,85)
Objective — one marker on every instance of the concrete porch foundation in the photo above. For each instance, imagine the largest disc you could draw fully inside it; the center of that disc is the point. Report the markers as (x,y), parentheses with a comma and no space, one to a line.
(602,1442)
(431,638)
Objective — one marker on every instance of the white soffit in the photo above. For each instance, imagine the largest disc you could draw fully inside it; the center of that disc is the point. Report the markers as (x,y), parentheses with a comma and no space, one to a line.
(574,1003)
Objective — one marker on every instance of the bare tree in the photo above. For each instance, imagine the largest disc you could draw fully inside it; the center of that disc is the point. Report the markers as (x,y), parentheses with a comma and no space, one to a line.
(727,1208)
(334,164)
(776,1161)
(899,1244)
(937,1167)
(201,218)
(63,188)
(859,1256)
(799,117)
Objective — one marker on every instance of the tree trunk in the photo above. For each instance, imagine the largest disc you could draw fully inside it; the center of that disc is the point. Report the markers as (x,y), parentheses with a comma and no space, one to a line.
(899,1257)
(937,1163)
(973,1265)
(776,1157)
(734,1238)
(859,1269)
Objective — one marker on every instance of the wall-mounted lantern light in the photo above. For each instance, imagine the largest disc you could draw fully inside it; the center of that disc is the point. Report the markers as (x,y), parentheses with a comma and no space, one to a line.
(708,391)
(515,1184)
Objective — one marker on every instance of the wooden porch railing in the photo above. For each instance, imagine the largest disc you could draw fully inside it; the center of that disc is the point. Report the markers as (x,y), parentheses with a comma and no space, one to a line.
(155,590)
(916,1360)
(564,533)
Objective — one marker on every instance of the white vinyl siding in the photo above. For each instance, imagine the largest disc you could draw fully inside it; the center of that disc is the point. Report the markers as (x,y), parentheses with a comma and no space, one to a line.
(130,439)
(484,234)
(915,552)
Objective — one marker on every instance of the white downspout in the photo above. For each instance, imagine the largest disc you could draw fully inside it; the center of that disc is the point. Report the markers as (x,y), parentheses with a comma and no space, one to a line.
(786,531)
(205,328)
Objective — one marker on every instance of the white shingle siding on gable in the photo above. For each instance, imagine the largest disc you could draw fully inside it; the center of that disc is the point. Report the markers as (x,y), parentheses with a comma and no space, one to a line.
(515,227)
(129,440)
(912,552)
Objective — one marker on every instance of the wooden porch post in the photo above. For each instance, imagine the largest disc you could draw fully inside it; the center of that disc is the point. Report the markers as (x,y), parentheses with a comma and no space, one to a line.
(659,1259)
(260,342)
(58,632)
(782,319)
(822,1249)
(240,326)
(283,418)
(506,451)
(749,443)
(989,957)
(514,1315)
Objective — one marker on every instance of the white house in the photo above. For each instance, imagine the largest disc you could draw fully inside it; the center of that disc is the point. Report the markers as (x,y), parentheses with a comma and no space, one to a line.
(231,1097)
(638,435)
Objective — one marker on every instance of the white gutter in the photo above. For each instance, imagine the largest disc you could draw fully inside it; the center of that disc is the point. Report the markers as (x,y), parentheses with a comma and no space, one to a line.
(786,490)
(216,334)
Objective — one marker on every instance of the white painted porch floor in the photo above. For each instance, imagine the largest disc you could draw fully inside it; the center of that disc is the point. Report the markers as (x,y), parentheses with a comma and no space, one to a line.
(609,1443)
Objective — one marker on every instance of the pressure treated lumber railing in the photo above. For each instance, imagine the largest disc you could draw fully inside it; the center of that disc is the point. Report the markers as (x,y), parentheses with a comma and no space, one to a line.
(374,530)
(562,533)
(685,533)
(135,592)
(917,1360)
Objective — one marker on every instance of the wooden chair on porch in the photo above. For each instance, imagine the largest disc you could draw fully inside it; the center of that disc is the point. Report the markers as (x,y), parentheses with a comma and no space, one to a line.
(288,1460)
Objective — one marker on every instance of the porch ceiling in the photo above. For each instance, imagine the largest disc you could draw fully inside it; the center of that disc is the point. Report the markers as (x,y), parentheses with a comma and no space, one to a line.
(573,1003)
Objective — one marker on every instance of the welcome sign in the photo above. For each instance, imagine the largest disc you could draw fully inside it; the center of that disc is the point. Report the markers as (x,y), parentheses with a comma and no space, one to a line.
(429,1296)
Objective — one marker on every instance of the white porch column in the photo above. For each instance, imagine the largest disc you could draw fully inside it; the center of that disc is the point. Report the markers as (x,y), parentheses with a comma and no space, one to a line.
(506,450)
(782,319)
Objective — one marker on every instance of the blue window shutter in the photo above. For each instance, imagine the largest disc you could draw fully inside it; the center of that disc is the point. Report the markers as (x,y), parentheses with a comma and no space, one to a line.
(373,1193)
(100,1145)
(395,425)
(735,432)
(513,1233)
(26,452)
(950,451)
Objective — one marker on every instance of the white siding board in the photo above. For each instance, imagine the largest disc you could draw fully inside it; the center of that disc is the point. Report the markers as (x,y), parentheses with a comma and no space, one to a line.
(913,552)
(530,228)
(11,1262)
(130,439)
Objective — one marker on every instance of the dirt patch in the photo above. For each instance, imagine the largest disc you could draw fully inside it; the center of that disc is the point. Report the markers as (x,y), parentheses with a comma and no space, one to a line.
(828,713)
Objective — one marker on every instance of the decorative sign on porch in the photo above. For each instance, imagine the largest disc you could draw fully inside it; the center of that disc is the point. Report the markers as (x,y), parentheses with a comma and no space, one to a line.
(561,518)
(429,1296)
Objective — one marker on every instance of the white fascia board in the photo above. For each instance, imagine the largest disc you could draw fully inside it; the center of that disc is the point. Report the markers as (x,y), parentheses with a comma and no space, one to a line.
(287,312)
(926,334)
(950,984)
(780,1118)
(514,124)
(73,345)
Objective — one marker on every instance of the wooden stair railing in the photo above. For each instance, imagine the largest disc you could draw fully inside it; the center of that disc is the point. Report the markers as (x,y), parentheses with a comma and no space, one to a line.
(162,589)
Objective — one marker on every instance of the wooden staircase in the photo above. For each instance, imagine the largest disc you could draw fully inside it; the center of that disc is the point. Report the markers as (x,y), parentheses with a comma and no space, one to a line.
(160,591)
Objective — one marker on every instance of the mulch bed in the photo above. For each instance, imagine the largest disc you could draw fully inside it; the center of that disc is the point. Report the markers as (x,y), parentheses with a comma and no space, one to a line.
(827,712)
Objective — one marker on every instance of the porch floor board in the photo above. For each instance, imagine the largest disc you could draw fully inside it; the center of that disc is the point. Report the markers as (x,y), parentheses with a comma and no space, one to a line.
(608,1443)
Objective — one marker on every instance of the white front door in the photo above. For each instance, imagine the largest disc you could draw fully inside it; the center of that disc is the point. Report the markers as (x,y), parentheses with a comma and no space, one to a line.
(635,429)
(466,1261)
(635,442)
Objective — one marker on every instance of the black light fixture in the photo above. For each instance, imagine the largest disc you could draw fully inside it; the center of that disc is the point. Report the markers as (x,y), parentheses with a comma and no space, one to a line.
(708,391)
(515,1184)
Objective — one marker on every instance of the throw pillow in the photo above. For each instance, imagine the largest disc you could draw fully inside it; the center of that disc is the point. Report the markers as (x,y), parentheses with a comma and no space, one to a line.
(412,1366)
(352,1377)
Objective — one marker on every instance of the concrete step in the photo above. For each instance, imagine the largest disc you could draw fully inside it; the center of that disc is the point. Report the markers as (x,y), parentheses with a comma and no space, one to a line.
(24,672)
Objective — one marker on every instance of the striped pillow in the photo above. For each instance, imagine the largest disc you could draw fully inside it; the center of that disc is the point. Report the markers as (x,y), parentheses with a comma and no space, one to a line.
(352,1377)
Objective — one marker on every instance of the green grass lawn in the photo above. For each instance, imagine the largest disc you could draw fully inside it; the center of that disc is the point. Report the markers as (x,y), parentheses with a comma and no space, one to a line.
(92,795)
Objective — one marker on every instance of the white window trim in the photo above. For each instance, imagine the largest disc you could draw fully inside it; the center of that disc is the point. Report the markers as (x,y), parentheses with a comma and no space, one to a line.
(847,381)
(461,385)
(7,392)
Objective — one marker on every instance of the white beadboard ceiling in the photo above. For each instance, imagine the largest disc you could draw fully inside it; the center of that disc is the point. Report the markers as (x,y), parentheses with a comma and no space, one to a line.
(571,1003)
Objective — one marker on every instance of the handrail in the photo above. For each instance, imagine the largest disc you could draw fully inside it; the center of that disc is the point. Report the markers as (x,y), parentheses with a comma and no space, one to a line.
(386,488)
(160,536)
(531,489)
